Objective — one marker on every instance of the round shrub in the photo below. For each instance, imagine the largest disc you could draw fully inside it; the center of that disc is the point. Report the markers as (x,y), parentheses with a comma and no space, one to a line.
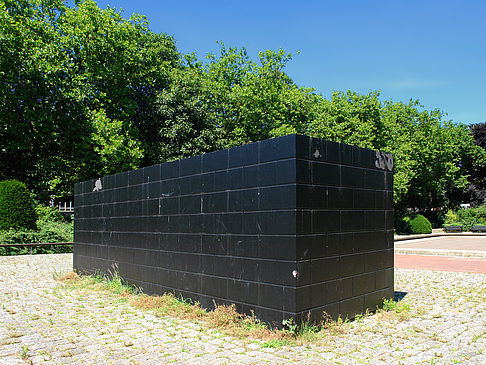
(16,206)
(420,225)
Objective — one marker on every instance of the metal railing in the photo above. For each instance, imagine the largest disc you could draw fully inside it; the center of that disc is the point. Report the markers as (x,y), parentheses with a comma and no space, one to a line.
(30,245)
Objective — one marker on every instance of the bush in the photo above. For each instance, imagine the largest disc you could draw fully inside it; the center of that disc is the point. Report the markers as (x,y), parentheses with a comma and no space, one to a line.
(467,217)
(420,225)
(472,216)
(49,214)
(52,228)
(402,224)
(16,206)
(49,232)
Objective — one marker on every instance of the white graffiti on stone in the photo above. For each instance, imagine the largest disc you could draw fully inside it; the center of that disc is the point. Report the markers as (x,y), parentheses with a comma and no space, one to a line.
(97,186)
(384,161)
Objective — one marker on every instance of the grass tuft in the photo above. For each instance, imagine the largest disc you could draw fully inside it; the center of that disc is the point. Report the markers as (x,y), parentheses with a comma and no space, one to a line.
(225,318)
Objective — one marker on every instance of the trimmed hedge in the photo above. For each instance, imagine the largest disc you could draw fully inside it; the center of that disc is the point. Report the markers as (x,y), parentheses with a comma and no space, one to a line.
(16,206)
(420,225)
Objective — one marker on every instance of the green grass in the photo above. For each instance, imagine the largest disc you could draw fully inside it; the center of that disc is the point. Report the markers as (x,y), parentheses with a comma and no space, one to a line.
(226,319)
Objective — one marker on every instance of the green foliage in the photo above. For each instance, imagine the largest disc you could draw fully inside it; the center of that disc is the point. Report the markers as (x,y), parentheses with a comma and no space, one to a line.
(86,92)
(52,228)
(466,217)
(16,206)
(47,214)
(472,216)
(77,91)
(402,225)
(451,217)
(420,225)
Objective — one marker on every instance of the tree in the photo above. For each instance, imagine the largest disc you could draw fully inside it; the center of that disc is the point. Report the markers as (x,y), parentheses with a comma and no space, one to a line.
(78,91)
(476,167)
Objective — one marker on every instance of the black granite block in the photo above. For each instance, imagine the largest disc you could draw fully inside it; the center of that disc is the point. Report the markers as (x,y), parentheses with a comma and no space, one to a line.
(364,283)
(326,221)
(285,172)
(135,192)
(317,150)
(374,300)
(214,202)
(374,261)
(325,174)
(190,166)
(375,220)
(215,161)
(270,296)
(284,227)
(214,244)
(350,307)
(244,246)
(337,290)
(340,244)
(311,197)
(277,148)
(278,272)
(389,181)
(170,170)
(134,208)
(169,205)
(249,178)
(302,171)
(325,269)
(214,286)
(135,177)
(302,146)
(243,155)
(346,153)
(235,178)
(77,189)
(340,198)
(243,200)
(352,264)
(151,174)
(389,200)
(266,174)
(333,150)
(303,222)
(367,158)
(278,197)
(121,180)
(375,180)
(353,221)
(190,204)
(366,199)
(243,291)
(317,249)
(273,247)
(351,176)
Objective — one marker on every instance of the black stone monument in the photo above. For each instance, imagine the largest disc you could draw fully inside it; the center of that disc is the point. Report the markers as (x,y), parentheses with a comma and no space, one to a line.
(284,227)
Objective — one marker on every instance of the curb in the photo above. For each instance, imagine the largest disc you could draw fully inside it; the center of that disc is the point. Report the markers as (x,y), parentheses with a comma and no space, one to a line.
(430,235)
(440,252)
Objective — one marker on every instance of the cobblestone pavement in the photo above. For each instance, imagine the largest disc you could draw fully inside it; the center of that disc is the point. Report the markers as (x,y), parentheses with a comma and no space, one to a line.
(41,322)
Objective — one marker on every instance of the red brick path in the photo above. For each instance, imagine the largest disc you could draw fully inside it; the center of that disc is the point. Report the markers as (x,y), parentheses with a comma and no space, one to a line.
(441,263)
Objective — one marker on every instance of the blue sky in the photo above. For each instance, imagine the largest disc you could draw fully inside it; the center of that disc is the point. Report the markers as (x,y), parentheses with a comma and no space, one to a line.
(434,51)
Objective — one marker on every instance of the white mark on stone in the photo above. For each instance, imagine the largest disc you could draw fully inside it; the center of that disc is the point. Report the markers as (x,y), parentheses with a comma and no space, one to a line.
(97,186)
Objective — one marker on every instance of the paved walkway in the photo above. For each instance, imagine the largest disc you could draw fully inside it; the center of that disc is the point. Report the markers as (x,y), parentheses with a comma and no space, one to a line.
(468,246)
(42,322)
(441,263)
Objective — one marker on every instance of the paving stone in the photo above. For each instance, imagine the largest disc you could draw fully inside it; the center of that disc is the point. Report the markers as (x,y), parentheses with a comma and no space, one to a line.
(52,325)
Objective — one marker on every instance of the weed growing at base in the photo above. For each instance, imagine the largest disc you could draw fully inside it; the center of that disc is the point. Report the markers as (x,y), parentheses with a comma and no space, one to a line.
(225,318)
